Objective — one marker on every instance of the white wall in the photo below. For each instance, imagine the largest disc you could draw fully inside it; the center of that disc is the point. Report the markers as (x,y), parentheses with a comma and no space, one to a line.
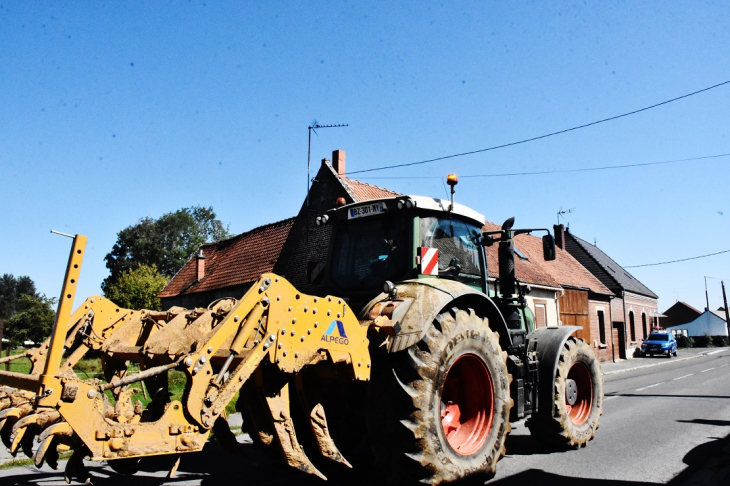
(550,299)
(706,323)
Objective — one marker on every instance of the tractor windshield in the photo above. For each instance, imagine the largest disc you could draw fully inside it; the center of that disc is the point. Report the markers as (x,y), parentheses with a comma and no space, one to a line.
(458,255)
(368,252)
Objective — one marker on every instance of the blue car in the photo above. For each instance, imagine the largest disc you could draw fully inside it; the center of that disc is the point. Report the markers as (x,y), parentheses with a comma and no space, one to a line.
(659,343)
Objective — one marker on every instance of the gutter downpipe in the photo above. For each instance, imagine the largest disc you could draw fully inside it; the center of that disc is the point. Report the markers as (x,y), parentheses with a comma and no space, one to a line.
(610,319)
(626,337)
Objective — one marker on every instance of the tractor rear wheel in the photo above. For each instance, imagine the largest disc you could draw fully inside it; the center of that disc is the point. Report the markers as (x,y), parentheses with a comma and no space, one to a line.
(578,399)
(439,411)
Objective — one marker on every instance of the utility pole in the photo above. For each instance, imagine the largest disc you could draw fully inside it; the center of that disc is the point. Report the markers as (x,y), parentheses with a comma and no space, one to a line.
(727,311)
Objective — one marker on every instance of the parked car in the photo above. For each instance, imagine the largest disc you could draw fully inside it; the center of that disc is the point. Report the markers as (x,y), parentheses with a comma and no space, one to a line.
(659,342)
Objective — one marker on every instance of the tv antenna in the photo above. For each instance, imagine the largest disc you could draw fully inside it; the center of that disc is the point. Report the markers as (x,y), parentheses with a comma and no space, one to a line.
(313,127)
(562,211)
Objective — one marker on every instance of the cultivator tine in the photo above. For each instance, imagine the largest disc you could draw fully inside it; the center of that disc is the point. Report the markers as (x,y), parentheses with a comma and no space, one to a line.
(8,417)
(51,440)
(327,447)
(284,428)
(34,423)
(320,429)
(17,434)
(173,469)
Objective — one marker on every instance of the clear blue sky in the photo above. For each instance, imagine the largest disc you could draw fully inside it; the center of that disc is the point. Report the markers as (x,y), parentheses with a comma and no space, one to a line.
(112,111)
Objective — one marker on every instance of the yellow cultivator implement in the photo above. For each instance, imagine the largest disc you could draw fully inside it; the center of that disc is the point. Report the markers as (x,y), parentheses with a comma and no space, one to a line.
(218,349)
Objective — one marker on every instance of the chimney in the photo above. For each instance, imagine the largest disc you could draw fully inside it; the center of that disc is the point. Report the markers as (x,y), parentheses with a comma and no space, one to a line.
(201,265)
(338,162)
(559,236)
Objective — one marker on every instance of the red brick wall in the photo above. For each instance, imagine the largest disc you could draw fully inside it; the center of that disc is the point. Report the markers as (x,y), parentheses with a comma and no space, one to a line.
(308,242)
(622,309)
(604,350)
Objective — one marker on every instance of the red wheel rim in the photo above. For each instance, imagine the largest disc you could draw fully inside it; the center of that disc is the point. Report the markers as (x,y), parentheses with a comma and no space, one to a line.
(582,399)
(467,404)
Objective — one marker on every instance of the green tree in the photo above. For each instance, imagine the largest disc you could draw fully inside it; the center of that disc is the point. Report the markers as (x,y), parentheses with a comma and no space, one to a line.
(11,289)
(166,242)
(138,288)
(33,320)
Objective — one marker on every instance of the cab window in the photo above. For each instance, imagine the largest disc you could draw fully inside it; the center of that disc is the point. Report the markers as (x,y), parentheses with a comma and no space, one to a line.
(459,256)
(370,251)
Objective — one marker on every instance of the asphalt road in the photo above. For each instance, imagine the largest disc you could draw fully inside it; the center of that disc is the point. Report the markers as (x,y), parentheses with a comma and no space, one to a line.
(664,419)
(656,419)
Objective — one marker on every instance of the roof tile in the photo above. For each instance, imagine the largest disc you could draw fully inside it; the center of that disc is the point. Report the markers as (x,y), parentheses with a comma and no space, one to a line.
(235,261)
(365,192)
(614,271)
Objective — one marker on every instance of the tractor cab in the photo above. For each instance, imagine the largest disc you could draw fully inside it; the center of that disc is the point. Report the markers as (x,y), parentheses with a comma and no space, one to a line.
(403,238)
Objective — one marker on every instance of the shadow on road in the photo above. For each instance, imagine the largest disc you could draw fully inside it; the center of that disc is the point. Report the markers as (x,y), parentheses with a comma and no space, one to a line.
(542,478)
(721,423)
(214,466)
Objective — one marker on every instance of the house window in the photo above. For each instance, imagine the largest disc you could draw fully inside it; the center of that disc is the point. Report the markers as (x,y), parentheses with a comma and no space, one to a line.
(632,326)
(601,327)
(643,324)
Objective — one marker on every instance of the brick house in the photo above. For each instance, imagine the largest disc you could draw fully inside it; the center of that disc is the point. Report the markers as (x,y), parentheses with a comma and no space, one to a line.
(634,310)
(297,247)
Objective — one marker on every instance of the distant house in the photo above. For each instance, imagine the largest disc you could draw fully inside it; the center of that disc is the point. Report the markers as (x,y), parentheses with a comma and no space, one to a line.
(634,310)
(709,322)
(677,314)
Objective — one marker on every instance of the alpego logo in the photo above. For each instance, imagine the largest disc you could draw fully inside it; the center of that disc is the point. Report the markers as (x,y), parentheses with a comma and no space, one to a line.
(329,337)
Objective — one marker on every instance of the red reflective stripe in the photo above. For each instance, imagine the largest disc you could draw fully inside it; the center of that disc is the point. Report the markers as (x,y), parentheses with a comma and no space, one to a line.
(430,260)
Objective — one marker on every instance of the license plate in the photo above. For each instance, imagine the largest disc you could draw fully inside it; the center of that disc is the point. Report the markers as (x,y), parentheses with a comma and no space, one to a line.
(367,210)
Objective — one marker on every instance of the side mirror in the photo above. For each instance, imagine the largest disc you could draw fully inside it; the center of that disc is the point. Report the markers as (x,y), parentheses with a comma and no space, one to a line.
(548,248)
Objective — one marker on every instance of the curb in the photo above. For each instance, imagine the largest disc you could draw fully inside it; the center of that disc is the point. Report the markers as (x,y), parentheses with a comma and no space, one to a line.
(704,353)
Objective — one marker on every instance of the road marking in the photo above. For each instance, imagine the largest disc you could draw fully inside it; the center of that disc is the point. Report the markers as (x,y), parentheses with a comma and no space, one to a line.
(651,386)
(685,376)
(715,352)
(605,399)
(708,369)
(724,365)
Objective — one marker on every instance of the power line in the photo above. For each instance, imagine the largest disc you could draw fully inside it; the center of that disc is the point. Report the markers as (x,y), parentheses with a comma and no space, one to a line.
(560,171)
(532,139)
(675,261)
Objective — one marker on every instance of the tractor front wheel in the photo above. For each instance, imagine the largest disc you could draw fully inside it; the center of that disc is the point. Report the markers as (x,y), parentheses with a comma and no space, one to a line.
(439,411)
